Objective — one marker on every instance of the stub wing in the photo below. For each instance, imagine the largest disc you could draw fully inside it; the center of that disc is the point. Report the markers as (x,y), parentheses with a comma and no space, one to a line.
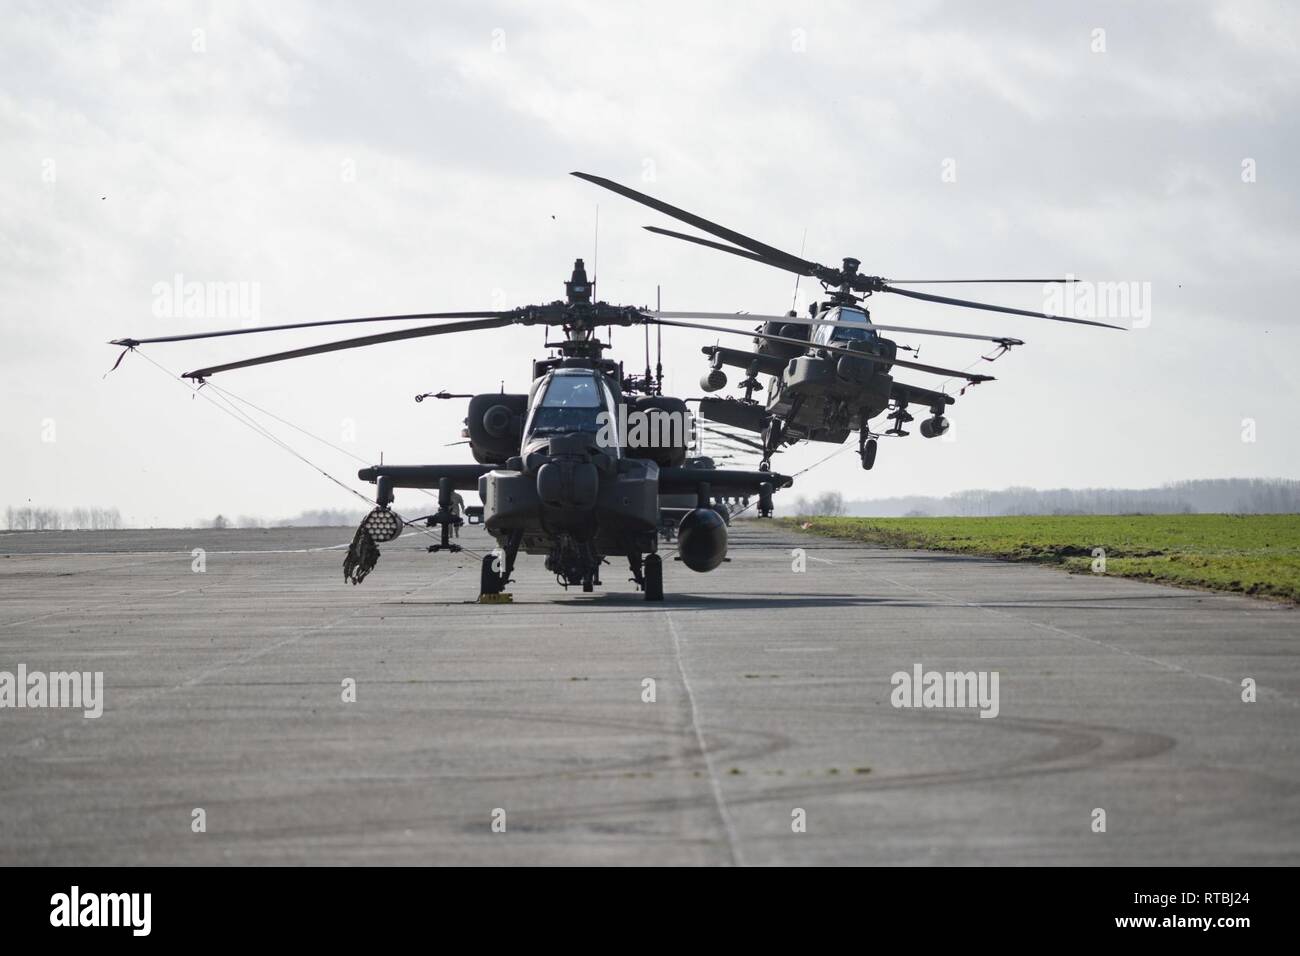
(914,395)
(463,477)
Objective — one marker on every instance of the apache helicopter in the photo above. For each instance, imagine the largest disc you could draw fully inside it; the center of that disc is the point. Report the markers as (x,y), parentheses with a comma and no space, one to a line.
(554,477)
(829,374)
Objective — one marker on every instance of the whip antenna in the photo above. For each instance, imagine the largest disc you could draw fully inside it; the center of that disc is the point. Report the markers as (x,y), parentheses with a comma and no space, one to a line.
(794,299)
(659,346)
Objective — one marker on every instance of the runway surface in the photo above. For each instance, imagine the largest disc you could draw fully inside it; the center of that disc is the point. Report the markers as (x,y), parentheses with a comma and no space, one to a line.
(223,691)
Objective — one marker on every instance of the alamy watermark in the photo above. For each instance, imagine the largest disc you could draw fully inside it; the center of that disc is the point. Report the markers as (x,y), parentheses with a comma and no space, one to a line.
(638,428)
(75,908)
(234,301)
(946,689)
(1130,301)
(74,689)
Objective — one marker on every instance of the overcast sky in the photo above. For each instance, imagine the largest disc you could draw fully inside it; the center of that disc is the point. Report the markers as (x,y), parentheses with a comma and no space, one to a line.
(361,159)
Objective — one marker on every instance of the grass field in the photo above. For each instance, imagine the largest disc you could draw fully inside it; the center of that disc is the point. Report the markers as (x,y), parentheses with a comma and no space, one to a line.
(1251,554)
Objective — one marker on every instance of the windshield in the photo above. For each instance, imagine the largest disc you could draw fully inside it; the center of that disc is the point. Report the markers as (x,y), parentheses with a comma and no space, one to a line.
(854,326)
(571,404)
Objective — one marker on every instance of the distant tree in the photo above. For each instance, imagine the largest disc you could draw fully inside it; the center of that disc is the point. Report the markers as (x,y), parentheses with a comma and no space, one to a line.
(28,518)
(323,518)
(1212,496)
(220,522)
(830,505)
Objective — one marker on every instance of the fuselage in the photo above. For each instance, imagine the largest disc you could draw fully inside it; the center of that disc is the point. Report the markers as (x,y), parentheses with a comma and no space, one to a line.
(827,396)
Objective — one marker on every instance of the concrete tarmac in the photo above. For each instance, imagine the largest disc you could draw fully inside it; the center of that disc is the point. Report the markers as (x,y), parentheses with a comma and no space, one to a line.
(224,692)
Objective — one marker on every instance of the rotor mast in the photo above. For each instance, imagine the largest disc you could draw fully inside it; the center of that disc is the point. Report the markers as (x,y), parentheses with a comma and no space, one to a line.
(579,316)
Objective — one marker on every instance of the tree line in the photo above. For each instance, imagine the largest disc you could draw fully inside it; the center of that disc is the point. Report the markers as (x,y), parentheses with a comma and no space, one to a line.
(1206,496)
(28,518)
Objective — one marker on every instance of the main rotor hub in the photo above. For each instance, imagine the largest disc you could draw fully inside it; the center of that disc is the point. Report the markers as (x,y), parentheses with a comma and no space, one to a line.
(579,317)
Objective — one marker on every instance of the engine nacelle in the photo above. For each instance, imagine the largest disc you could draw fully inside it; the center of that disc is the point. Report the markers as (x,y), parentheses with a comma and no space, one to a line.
(667,427)
(782,350)
(702,539)
(495,424)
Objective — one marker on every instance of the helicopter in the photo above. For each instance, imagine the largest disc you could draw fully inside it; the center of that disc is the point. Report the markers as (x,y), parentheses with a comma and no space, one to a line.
(829,375)
(557,473)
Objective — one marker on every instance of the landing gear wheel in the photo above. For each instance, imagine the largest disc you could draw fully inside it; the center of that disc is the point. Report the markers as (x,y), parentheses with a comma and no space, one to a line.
(868,453)
(587,585)
(489,580)
(654,578)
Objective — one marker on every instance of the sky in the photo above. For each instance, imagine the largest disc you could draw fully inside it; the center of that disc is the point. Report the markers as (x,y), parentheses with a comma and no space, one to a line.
(350,159)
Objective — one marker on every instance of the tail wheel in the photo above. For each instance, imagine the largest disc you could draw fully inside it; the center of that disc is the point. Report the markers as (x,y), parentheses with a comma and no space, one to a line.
(654,578)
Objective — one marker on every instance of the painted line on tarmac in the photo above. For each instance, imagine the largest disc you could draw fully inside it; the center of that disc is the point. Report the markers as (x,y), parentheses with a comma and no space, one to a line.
(728,828)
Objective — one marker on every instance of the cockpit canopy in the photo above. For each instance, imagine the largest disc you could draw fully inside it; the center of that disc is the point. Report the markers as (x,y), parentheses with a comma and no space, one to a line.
(568,400)
(853,324)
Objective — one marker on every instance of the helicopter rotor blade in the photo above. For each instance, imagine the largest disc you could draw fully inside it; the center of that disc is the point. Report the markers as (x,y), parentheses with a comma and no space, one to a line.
(495,322)
(778,263)
(793,262)
(724,445)
(727,436)
(793,320)
(848,275)
(132,343)
(722,428)
(967,304)
(865,356)
(971,281)
(740,448)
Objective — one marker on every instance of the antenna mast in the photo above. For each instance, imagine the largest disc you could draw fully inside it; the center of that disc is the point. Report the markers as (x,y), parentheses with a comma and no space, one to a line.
(794,299)
(659,346)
